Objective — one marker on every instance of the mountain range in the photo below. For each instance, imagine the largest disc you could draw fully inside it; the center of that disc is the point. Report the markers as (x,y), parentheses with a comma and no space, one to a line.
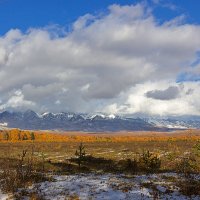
(68,121)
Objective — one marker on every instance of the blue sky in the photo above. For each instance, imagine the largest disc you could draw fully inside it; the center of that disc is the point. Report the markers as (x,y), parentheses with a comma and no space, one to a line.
(23,14)
(119,57)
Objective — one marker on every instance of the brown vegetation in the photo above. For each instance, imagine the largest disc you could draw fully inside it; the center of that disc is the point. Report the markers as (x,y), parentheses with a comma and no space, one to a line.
(25,156)
(16,135)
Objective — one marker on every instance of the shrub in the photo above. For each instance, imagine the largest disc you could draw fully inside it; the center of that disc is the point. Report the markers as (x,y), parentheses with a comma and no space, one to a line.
(129,165)
(20,174)
(149,162)
(80,154)
(187,165)
(189,187)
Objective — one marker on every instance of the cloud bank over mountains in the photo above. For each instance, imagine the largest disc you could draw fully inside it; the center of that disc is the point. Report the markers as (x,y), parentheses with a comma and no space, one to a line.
(121,61)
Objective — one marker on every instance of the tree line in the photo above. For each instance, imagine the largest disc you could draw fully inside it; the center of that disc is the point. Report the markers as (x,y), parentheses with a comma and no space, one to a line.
(16,135)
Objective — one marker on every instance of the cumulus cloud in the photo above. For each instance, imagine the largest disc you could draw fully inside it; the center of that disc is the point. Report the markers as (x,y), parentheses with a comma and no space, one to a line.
(98,65)
(136,101)
(17,101)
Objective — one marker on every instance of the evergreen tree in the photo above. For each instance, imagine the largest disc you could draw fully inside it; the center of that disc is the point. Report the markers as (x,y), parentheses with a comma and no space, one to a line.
(6,136)
(80,153)
(19,136)
(25,137)
(32,135)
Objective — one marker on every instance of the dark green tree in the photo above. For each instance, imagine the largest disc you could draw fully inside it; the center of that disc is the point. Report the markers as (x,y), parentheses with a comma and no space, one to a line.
(80,153)
(6,136)
(32,136)
(25,137)
(19,136)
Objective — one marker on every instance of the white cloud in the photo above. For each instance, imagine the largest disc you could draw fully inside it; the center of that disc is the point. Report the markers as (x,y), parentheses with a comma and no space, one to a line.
(99,64)
(17,101)
(137,101)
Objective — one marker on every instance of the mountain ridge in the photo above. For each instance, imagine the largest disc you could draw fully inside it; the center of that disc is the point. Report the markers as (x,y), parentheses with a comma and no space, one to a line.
(69,121)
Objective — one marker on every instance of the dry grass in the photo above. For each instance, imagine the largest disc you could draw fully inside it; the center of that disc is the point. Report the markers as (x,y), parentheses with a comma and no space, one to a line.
(106,153)
(170,151)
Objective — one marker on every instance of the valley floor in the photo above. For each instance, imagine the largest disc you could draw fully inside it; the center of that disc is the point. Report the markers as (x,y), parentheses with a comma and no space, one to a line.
(112,167)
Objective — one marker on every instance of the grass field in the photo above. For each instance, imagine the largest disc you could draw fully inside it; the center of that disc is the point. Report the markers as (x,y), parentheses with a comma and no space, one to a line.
(31,161)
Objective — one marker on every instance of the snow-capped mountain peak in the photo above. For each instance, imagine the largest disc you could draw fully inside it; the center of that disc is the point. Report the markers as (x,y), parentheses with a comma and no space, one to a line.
(94,122)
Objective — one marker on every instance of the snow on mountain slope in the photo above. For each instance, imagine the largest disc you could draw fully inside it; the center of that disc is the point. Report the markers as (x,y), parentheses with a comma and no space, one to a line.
(94,122)
(169,123)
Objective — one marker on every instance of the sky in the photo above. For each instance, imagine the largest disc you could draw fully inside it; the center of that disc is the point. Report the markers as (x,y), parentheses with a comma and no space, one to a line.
(119,57)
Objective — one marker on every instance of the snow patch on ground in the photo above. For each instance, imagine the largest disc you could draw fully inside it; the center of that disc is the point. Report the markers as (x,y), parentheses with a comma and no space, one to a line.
(109,187)
(3,196)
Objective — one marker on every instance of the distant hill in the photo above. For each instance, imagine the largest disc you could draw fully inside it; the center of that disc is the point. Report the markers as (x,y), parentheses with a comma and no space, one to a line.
(99,122)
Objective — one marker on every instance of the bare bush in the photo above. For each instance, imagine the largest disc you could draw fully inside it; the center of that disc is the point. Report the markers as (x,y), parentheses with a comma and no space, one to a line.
(20,174)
